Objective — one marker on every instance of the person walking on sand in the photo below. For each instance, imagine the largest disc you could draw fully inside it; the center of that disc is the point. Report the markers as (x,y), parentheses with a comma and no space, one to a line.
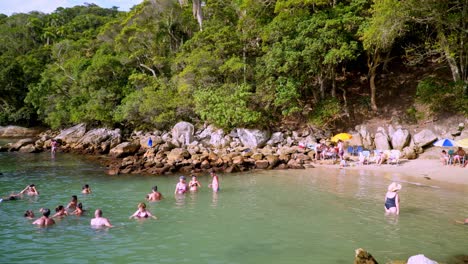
(154,195)
(214,181)
(99,221)
(44,220)
(392,200)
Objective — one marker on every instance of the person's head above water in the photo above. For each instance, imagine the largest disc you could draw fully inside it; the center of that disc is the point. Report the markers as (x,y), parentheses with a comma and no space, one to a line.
(80,205)
(74,198)
(98,213)
(59,208)
(86,186)
(155,188)
(29,213)
(46,212)
(182,178)
(142,205)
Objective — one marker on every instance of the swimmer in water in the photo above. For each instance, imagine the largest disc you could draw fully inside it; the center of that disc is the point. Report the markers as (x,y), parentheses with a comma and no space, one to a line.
(392,200)
(214,181)
(194,184)
(154,195)
(73,203)
(142,212)
(44,220)
(60,211)
(86,189)
(29,214)
(30,190)
(181,186)
(99,221)
(79,210)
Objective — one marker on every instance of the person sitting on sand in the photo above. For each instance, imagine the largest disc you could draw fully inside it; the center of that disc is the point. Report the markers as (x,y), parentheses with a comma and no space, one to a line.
(99,221)
(85,189)
(142,212)
(392,200)
(181,186)
(60,211)
(382,158)
(444,157)
(194,184)
(73,203)
(154,195)
(459,155)
(44,220)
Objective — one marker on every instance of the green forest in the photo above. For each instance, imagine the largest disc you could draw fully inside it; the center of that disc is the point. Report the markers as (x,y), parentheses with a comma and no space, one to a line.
(231,63)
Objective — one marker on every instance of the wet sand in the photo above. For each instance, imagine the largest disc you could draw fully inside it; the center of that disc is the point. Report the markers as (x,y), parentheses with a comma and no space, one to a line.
(426,171)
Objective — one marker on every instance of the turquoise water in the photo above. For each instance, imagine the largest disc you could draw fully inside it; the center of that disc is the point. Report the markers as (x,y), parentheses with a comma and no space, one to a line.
(298,216)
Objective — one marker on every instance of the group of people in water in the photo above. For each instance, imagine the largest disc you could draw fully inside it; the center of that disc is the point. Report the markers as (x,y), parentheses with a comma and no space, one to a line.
(76,208)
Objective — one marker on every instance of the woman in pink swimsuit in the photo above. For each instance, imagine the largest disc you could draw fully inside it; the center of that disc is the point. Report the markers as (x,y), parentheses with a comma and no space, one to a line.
(181,186)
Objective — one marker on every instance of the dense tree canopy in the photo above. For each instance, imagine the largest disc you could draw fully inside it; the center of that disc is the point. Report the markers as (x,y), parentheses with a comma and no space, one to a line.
(232,63)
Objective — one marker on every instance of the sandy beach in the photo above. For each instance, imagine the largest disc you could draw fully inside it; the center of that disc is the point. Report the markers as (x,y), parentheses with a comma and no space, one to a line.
(426,170)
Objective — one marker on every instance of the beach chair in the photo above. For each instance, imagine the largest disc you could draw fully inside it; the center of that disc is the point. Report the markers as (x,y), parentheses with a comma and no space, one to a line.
(394,157)
(450,159)
(359,149)
(350,150)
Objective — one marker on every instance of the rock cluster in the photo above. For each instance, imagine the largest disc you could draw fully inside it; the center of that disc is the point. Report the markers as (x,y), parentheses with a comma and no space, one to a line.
(185,149)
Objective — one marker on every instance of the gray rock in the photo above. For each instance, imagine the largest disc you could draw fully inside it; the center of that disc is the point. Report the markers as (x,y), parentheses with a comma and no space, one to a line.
(28,149)
(20,143)
(276,138)
(93,138)
(366,137)
(400,139)
(124,149)
(262,164)
(356,139)
(72,134)
(409,153)
(177,155)
(253,137)
(183,133)
(17,131)
(381,139)
(424,138)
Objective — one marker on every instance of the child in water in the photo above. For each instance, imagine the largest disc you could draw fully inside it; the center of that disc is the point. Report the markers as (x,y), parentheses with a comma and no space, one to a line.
(181,186)
(86,189)
(194,184)
(214,182)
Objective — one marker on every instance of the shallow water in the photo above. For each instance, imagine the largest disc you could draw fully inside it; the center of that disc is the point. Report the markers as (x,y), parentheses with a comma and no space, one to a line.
(311,216)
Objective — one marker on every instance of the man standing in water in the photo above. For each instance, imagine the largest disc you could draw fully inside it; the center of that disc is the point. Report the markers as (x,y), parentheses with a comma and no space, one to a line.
(99,221)
(44,220)
(154,195)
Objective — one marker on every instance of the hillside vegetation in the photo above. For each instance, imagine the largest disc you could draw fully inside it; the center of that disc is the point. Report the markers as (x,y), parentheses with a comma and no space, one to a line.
(233,63)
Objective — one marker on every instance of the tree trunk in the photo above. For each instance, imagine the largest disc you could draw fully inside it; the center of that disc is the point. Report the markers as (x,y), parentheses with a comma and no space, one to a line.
(197,12)
(372,89)
(448,56)
(321,81)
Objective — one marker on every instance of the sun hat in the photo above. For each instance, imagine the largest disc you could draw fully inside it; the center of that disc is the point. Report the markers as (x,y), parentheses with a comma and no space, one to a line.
(393,187)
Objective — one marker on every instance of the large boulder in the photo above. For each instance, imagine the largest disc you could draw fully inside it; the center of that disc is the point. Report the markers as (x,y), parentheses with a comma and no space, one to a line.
(253,138)
(16,131)
(182,133)
(95,137)
(177,155)
(28,149)
(276,138)
(355,140)
(424,138)
(420,259)
(124,149)
(20,143)
(72,134)
(381,140)
(400,139)
(366,137)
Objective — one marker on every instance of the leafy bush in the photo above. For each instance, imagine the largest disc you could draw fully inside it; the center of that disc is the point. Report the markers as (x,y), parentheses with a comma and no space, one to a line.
(443,97)
(325,112)
(226,107)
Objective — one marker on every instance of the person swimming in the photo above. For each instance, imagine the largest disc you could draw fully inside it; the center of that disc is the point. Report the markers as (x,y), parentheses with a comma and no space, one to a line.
(142,212)
(60,211)
(29,214)
(181,186)
(30,190)
(79,210)
(44,220)
(194,184)
(85,189)
(73,203)
(154,195)
(99,221)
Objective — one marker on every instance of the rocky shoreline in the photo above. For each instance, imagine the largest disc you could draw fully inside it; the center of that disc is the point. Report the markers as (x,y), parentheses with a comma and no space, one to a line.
(186,150)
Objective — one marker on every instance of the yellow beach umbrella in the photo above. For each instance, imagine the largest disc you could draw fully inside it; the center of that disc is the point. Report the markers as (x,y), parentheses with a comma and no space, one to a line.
(342,136)
(462,143)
